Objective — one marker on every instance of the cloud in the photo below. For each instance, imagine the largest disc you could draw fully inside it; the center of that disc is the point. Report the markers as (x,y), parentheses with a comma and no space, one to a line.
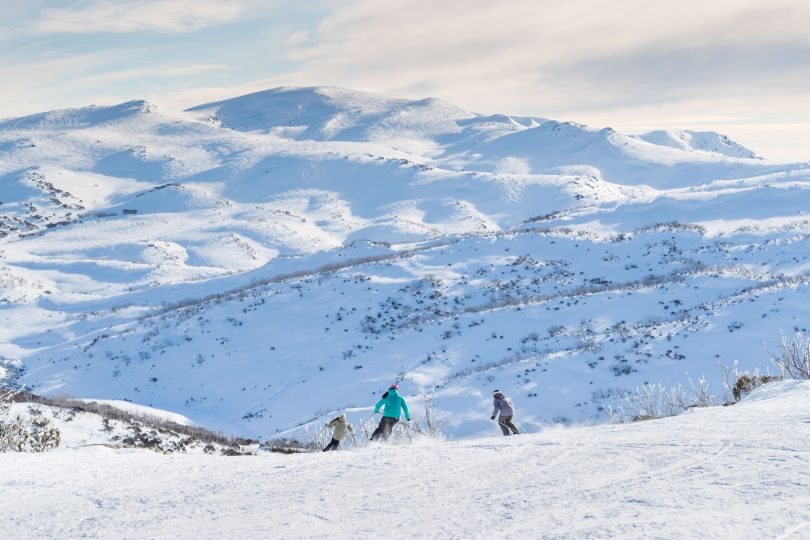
(190,97)
(621,61)
(112,76)
(545,50)
(122,16)
(29,87)
(52,81)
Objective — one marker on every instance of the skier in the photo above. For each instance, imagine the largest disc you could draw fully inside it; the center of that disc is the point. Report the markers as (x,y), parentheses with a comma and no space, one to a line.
(503,405)
(339,425)
(394,406)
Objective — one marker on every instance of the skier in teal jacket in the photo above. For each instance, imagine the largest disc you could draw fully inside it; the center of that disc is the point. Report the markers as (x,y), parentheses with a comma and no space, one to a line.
(394,407)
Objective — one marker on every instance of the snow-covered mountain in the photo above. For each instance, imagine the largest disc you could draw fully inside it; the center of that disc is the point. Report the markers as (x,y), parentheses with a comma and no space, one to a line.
(708,141)
(259,262)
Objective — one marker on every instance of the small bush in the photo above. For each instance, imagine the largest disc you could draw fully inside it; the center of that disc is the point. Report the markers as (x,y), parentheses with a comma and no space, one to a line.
(25,433)
(34,433)
(793,357)
(747,382)
(651,401)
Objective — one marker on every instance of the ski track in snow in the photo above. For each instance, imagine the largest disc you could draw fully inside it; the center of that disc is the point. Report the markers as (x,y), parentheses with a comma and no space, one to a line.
(723,472)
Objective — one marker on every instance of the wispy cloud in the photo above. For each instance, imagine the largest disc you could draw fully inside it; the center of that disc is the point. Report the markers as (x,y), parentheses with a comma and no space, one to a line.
(624,62)
(101,77)
(122,16)
(28,87)
(145,72)
(552,53)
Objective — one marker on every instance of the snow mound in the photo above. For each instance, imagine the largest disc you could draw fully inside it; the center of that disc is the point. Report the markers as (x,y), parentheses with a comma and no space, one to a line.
(707,141)
(329,113)
(141,410)
(317,113)
(80,118)
(782,391)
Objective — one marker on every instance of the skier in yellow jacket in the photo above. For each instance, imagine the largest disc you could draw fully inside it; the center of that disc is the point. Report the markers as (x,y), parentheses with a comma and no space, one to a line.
(340,425)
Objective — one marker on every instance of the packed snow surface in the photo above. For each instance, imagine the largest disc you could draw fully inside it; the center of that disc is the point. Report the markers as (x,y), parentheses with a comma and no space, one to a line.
(141,410)
(724,472)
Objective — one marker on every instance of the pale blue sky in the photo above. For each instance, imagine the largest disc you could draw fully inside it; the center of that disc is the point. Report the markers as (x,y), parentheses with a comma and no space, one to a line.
(741,67)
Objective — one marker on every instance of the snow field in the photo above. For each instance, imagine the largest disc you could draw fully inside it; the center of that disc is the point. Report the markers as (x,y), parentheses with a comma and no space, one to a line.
(721,472)
(564,337)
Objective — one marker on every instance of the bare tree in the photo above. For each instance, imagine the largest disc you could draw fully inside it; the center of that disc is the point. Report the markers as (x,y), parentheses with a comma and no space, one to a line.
(433,424)
(699,395)
(793,357)
(316,440)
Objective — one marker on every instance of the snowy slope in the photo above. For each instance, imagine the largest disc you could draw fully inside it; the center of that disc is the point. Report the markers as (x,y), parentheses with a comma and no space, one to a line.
(564,336)
(723,472)
(259,263)
(708,141)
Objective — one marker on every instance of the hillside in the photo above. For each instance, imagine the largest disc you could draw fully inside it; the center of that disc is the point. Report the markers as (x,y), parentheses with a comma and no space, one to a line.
(259,263)
(737,471)
(708,141)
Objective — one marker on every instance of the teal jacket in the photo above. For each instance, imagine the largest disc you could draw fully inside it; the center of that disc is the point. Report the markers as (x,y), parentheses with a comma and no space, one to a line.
(393,404)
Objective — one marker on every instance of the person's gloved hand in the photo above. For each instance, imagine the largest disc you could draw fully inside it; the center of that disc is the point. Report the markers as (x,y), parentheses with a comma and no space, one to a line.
(492,418)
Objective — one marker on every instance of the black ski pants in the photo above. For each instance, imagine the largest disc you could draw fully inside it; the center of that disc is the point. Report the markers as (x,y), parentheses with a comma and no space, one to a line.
(333,445)
(506,425)
(383,431)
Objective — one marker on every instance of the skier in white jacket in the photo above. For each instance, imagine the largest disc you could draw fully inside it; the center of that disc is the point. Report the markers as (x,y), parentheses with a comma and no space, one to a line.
(503,406)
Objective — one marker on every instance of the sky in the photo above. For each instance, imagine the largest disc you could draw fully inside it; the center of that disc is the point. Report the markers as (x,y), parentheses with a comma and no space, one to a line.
(740,67)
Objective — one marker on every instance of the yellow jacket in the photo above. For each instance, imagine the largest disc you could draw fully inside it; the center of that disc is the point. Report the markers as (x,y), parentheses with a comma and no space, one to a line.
(340,425)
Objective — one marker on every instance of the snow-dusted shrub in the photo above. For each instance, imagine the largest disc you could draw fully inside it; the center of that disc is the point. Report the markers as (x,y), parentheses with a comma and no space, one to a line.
(28,434)
(6,398)
(672,226)
(555,330)
(317,440)
(128,429)
(652,401)
(747,382)
(25,433)
(622,368)
(433,424)
(793,357)
(284,446)
(739,384)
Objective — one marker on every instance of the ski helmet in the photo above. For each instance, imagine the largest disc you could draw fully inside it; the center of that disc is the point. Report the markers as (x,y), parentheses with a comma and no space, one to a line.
(393,387)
